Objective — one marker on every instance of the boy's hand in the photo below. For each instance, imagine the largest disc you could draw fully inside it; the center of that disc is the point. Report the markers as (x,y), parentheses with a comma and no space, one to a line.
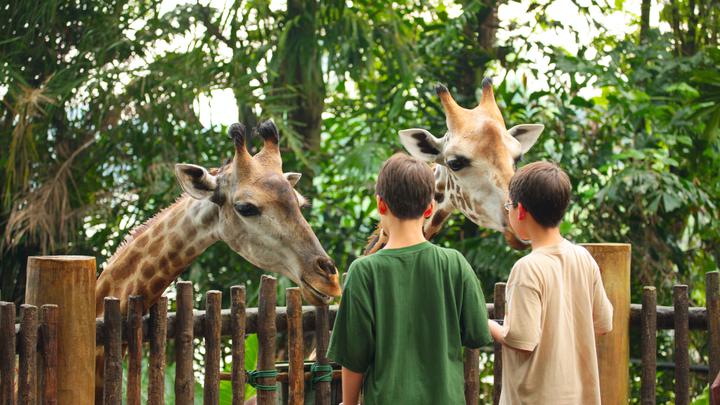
(497,331)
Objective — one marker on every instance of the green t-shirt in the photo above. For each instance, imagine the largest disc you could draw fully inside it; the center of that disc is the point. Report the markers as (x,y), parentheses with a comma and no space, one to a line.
(404,316)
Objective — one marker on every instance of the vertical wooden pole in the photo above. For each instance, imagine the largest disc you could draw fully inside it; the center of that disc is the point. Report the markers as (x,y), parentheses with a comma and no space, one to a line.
(112,334)
(7,353)
(712,294)
(213,323)
(69,283)
(296,374)
(184,379)
(134,340)
(648,344)
(498,313)
(237,317)
(158,340)
(322,332)
(48,358)
(472,376)
(613,349)
(267,330)
(681,356)
(27,349)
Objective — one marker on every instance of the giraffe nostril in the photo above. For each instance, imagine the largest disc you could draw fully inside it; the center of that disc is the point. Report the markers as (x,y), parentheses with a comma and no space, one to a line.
(327,265)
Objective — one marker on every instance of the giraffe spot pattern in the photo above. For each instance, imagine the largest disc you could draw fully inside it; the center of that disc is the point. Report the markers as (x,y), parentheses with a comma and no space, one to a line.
(155,247)
(158,285)
(148,270)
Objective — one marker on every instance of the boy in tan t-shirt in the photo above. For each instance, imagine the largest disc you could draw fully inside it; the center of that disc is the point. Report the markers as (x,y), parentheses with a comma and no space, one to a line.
(556,302)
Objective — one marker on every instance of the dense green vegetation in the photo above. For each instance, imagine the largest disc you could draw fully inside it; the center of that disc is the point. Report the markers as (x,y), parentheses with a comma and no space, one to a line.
(98,105)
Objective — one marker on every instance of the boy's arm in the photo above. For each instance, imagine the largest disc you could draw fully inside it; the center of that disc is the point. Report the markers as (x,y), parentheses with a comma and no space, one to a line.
(602,308)
(498,333)
(522,327)
(351,384)
(473,311)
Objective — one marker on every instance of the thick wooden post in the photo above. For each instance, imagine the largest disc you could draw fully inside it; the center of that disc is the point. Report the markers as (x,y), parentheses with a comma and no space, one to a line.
(69,283)
(613,349)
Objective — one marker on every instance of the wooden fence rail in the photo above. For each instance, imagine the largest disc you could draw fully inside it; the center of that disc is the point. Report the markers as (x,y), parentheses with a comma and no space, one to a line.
(33,339)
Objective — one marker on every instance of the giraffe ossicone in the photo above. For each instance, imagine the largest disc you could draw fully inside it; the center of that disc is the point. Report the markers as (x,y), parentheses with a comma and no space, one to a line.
(473,164)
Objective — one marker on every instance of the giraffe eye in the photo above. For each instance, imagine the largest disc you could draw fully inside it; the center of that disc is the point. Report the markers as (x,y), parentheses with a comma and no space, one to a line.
(247,209)
(458,163)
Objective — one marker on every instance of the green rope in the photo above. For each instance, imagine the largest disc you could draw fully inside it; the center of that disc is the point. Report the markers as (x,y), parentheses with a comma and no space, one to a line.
(321,368)
(255,374)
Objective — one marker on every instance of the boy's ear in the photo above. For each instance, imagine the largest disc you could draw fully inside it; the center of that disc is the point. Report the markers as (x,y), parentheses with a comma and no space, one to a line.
(522,212)
(382,206)
(526,134)
(421,144)
(195,180)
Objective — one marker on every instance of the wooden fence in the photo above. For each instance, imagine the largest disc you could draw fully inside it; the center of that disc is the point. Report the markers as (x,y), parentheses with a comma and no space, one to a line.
(34,342)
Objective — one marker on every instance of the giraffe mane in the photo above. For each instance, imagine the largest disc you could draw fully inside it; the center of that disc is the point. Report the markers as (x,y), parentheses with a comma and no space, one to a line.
(140,229)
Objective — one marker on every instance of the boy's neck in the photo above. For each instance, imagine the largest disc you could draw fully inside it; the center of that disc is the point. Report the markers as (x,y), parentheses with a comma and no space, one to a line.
(541,237)
(403,233)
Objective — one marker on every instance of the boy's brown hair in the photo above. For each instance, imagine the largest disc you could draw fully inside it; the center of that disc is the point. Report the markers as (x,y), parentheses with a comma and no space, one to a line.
(407,186)
(544,190)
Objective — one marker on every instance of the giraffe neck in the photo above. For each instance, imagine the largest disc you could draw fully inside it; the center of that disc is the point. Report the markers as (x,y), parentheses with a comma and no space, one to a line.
(158,253)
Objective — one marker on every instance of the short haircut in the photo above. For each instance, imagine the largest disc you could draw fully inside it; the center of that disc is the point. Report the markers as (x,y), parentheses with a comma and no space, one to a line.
(544,190)
(407,186)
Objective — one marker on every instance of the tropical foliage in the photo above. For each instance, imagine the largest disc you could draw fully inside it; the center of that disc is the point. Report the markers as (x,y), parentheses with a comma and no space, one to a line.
(100,99)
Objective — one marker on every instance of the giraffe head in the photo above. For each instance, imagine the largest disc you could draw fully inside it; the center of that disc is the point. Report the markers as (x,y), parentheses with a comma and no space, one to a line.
(478,157)
(257,213)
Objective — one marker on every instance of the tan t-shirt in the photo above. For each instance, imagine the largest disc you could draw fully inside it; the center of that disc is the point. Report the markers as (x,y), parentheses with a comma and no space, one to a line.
(556,303)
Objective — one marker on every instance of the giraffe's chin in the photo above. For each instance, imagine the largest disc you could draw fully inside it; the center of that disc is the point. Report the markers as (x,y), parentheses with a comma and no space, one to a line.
(314,296)
(514,242)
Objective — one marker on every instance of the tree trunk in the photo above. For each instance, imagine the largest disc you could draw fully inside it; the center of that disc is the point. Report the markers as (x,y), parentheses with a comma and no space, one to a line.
(644,20)
(300,71)
(480,31)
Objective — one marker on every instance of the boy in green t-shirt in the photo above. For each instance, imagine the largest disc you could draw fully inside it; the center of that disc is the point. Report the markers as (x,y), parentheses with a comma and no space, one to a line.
(408,309)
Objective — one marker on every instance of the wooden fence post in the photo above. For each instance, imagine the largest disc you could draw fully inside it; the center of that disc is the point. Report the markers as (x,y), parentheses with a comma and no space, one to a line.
(267,331)
(27,349)
(498,313)
(69,283)
(158,341)
(7,353)
(296,373)
(213,324)
(681,355)
(237,318)
(648,345)
(712,294)
(184,378)
(613,349)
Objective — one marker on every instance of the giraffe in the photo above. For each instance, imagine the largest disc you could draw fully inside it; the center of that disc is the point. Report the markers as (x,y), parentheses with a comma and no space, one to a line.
(473,164)
(250,204)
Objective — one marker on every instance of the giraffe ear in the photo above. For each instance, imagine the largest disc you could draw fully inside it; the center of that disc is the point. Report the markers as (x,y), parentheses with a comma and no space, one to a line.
(421,144)
(293,178)
(195,180)
(526,134)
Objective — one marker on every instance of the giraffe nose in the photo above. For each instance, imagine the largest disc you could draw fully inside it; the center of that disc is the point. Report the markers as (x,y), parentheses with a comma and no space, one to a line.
(327,265)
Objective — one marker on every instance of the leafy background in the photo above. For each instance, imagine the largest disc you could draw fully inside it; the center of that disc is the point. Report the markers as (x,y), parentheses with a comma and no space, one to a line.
(100,99)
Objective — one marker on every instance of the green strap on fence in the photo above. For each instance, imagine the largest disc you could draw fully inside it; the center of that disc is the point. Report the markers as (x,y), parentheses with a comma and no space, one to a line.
(255,374)
(321,368)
